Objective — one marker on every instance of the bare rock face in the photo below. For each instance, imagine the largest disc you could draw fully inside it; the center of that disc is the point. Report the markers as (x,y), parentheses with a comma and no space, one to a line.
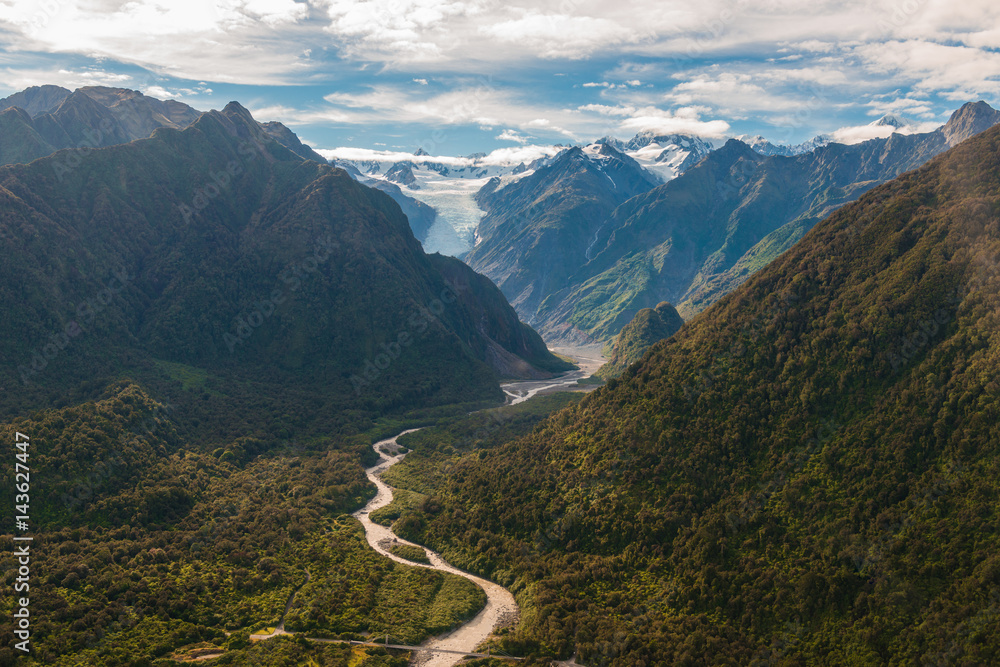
(37,99)
(970,120)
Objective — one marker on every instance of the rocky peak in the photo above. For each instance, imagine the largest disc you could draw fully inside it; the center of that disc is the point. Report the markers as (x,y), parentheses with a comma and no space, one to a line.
(971,119)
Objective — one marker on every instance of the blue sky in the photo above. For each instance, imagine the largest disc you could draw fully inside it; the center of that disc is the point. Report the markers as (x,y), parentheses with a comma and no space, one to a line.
(463,76)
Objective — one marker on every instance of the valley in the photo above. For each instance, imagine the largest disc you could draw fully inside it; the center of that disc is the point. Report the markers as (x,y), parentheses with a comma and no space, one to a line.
(500,611)
(680,398)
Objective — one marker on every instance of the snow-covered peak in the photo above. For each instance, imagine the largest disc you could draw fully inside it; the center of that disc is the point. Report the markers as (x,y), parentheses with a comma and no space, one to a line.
(892,120)
(765,147)
(666,155)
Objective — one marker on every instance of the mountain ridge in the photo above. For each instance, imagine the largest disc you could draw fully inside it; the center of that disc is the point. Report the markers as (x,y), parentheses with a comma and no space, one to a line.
(696,237)
(805,472)
(217,225)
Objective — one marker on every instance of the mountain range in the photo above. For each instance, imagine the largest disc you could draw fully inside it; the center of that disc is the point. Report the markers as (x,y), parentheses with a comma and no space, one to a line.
(217,250)
(40,120)
(43,119)
(540,229)
(805,473)
(696,237)
(207,326)
(579,255)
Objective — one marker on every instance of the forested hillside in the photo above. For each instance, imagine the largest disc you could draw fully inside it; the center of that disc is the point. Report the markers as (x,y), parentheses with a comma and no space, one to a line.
(648,327)
(283,292)
(806,473)
(147,543)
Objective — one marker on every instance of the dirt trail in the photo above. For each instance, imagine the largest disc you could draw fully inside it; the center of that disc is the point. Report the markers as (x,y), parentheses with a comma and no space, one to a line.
(280,628)
(500,609)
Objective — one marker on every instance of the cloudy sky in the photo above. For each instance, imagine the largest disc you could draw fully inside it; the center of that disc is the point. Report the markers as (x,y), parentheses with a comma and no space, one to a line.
(459,76)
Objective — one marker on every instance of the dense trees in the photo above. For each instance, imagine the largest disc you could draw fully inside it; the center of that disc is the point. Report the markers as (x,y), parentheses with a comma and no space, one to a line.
(807,472)
(145,543)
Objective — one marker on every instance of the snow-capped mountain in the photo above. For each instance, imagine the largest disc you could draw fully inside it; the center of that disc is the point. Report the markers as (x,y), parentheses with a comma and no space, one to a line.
(449,184)
(765,147)
(665,155)
(874,129)
(892,120)
(446,184)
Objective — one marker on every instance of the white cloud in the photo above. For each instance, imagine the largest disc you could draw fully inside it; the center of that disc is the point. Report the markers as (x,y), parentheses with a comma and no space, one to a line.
(632,83)
(859,133)
(561,35)
(499,157)
(607,110)
(664,122)
(894,103)
(959,71)
(390,29)
(733,93)
(781,61)
(292,116)
(480,104)
(218,40)
(19,79)
(512,135)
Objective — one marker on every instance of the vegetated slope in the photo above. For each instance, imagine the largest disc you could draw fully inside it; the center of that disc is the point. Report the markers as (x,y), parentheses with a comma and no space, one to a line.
(538,230)
(649,326)
(699,236)
(217,253)
(146,542)
(805,473)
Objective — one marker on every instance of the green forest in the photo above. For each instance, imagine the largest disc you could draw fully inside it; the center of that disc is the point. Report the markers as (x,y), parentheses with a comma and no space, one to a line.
(806,473)
(146,543)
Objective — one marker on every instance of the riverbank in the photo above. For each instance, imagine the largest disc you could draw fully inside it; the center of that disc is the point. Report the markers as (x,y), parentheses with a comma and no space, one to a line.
(501,610)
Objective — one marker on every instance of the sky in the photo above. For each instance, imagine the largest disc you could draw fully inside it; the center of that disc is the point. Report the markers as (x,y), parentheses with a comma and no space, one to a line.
(456,77)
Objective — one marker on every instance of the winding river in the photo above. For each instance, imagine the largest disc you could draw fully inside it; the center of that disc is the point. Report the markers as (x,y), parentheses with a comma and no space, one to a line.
(500,609)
